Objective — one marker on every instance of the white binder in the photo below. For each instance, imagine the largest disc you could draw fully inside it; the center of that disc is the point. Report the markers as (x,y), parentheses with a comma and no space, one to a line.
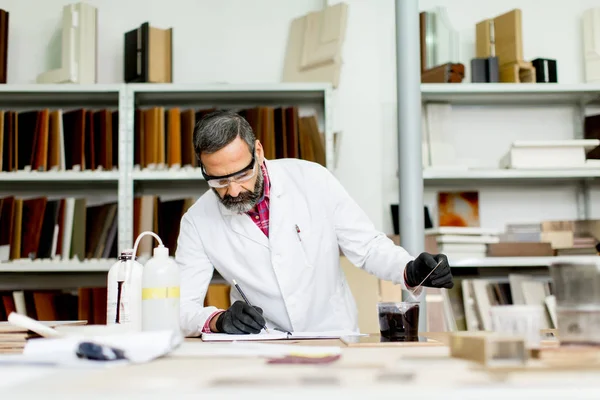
(78,57)
(591,44)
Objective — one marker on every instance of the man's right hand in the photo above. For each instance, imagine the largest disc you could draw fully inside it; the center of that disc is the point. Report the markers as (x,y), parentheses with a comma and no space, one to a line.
(240,318)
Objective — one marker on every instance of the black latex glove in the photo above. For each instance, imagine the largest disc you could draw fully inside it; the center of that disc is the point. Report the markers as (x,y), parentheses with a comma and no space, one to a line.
(418,269)
(240,318)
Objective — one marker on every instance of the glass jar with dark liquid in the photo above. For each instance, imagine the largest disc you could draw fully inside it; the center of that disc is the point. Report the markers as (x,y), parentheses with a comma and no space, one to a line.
(399,321)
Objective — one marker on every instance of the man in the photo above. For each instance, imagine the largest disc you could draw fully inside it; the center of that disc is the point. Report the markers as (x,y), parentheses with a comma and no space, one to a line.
(276,227)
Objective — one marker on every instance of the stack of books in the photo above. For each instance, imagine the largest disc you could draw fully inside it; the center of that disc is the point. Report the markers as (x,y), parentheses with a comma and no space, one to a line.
(550,154)
(14,338)
(549,238)
(463,242)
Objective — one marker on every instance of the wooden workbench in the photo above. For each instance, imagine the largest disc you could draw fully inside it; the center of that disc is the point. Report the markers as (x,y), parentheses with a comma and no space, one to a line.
(390,371)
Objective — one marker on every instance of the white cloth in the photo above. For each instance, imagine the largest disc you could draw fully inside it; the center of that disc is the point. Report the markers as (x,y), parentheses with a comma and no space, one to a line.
(295,278)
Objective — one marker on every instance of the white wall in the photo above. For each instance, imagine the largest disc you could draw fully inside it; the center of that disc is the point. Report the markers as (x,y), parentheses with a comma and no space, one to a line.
(214,41)
(244,41)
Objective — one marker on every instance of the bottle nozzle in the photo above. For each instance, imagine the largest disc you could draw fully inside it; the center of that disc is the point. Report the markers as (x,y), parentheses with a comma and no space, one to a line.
(161,251)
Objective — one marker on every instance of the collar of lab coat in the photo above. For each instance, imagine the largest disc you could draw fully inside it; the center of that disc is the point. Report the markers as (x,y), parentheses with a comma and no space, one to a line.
(277,187)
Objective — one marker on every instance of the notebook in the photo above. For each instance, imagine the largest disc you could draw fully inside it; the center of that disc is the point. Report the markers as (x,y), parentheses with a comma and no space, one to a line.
(276,335)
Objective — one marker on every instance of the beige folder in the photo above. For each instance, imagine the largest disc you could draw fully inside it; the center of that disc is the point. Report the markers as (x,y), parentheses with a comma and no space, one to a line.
(314,46)
(501,35)
(160,49)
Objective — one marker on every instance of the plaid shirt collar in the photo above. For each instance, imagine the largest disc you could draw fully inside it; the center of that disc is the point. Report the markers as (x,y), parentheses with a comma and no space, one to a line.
(266,185)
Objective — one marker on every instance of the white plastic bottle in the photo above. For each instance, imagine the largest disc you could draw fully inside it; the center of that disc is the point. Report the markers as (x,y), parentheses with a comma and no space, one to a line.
(160,292)
(124,297)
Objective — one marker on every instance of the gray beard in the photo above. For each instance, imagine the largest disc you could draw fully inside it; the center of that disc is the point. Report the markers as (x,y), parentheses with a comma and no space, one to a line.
(246,200)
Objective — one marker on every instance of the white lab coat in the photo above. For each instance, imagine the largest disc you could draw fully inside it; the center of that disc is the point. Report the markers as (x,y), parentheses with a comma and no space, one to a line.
(295,278)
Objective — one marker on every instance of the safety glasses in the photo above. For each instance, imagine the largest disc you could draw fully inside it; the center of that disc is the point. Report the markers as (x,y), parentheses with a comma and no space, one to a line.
(240,176)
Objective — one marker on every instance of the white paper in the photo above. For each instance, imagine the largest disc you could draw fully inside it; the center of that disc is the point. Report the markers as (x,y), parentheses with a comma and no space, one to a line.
(251,350)
(224,337)
(324,335)
(275,335)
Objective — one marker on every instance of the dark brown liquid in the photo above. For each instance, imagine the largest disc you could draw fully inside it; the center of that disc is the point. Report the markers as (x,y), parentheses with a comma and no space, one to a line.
(400,327)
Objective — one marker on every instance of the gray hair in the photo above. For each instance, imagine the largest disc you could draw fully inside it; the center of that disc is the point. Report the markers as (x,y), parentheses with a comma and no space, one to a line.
(217,129)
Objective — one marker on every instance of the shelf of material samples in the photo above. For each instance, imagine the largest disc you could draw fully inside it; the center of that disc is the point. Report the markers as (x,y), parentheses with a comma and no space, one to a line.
(510,93)
(185,173)
(84,168)
(57,265)
(430,175)
(460,175)
(59,176)
(502,262)
(517,245)
(103,265)
(226,93)
(526,162)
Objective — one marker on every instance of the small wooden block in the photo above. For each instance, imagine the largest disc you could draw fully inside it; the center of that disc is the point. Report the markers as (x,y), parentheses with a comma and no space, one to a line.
(517,72)
(489,348)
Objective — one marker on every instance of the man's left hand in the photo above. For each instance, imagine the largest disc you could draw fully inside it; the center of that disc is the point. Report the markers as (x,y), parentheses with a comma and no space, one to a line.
(418,269)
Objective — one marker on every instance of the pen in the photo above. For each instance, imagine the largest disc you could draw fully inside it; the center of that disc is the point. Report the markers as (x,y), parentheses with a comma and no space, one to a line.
(298,233)
(286,332)
(239,289)
(423,281)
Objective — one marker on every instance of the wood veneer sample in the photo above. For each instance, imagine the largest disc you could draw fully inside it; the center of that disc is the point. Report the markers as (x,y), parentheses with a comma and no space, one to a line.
(32,221)
(292,139)
(54,140)
(103,139)
(74,135)
(39,157)
(11,153)
(509,37)
(3,45)
(25,136)
(188,154)
(15,242)
(6,226)
(173,148)
(267,134)
(280,133)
